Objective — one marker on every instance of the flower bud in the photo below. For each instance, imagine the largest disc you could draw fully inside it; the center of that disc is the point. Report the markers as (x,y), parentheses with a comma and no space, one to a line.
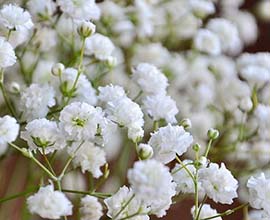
(111,62)
(86,29)
(196,147)
(212,133)
(57,69)
(246,104)
(186,123)
(145,151)
(14,88)
(203,161)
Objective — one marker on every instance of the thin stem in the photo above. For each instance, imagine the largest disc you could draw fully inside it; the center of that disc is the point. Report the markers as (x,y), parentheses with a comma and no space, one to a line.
(185,167)
(29,155)
(228,212)
(156,125)
(5,95)
(15,196)
(200,207)
(47,161)
(180,168)
(95,194)
(196,196)
(133,215)
(122,209)
(208,147)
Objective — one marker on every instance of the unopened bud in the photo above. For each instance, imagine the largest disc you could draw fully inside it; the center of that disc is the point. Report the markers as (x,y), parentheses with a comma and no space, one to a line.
(186,123)
(111,62)
(196,147)
(246,104)
(203,161)
(27,153)
(213,133)
(86,29)
(14,88)
(145,151)
(57,69)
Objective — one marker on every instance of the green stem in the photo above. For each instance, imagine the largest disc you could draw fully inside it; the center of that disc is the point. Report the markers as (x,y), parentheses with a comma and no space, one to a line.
(47,161)
(228,212)
(35,160)
(156,125)
(5,95)
(208,147)
(95,194)
(185,167)
(15,196)
(200,208)
(122,209)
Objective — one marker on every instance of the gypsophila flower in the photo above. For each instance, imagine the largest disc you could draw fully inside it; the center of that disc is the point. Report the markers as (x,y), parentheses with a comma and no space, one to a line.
(43,135)
(258,215)
(88,156)
(79,121)
(100,46)
(207,41)
(150,79)
(259,191)
(168,141)
(48,203)
(160,107)
(80,9)
(206,212)
(15,18)
(41,8)
(117,201)
(227,33)
(7,54)
(9,129)
(184,182)
(218,183)
(127,113)
(152,182)
(36,100)
(90,208)
(111,93)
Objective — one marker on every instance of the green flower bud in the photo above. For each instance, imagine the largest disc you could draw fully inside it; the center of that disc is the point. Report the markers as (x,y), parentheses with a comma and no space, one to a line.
(212,133)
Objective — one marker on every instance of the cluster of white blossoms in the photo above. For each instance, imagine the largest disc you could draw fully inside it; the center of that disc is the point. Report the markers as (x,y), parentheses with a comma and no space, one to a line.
(115,104)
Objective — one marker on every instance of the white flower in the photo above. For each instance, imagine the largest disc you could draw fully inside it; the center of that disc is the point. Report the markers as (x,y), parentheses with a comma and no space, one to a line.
(168,141)
(44,7)
(79,121)
(7,54)
(127,113)
(227,33)
(84,91)
(145,151)
(49,203)
(150,79)
(262,113)
(161,107)
(202,8)
(218,183)
(88,156)
(207,41)
(9,130)
(116,202)
(183,180)
(36,100)
(259,191)
(90,208)
(153,183)
(100,46)
(258,215)
(206,212)
(111,93)
(80,9)
(42,133)
(14,17)
(45,38)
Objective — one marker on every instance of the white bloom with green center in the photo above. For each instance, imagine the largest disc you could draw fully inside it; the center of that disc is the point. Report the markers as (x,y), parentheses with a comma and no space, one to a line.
(43,135)
(168,141)
(79,121)
(90,208)
(15,18)
(122,197)
(218,183)
(7,54)
(206,212)
(50,204)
